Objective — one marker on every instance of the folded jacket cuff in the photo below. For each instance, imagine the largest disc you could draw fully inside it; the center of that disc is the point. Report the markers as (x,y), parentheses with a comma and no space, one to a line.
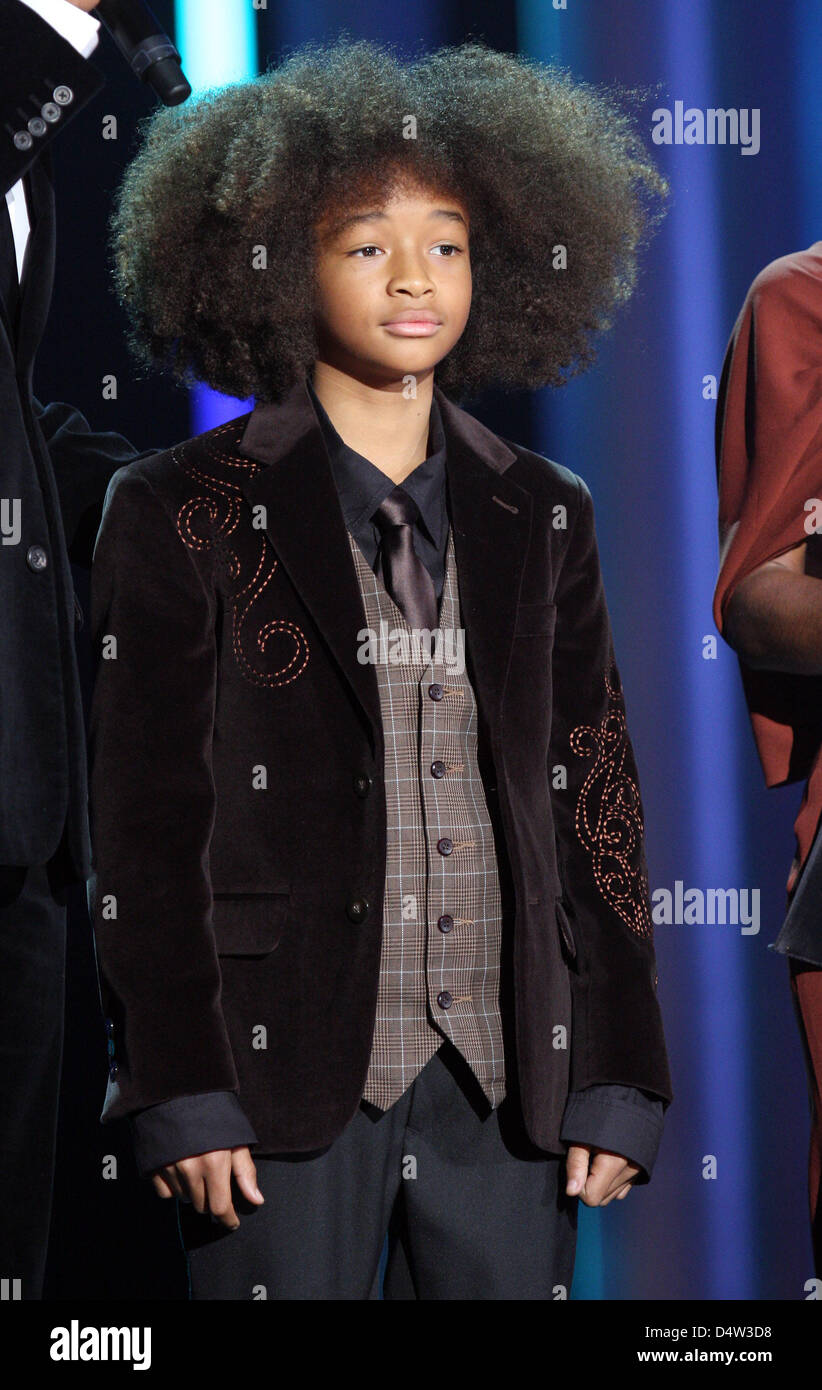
(188,1125)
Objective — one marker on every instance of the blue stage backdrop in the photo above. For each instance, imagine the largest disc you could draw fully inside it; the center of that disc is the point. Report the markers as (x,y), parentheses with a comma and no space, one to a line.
(726,1213)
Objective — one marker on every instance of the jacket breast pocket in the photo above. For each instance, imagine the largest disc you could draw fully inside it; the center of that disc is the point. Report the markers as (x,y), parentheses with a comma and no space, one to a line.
(248,922)
(535,620)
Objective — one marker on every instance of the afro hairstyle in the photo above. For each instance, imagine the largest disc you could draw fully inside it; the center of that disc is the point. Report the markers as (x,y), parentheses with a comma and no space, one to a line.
(540,160)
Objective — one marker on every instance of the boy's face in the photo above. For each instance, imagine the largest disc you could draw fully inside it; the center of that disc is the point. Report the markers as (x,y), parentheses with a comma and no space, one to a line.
(409,255)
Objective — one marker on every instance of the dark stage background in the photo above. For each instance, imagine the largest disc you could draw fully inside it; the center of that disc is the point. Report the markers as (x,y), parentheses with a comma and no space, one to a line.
(639,428)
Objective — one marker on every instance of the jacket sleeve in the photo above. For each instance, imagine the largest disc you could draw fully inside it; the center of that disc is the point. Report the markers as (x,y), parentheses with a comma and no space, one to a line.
(38,69)
(152,806)
(617,1036)
(621,1119)
(189,1125)
(83,461)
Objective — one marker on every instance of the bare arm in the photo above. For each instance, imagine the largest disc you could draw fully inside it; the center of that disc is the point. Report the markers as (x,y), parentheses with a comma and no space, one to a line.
(774,616)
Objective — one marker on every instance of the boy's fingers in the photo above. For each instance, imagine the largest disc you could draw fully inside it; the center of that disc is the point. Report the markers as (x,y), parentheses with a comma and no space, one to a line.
(162,1186)
(171,1177)
(607,1177)
(576,1169)
(194,1189)
(245,1175)
(220,1205)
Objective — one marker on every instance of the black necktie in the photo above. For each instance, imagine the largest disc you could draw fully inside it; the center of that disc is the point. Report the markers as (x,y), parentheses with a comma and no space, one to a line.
(403,573)
(9,282)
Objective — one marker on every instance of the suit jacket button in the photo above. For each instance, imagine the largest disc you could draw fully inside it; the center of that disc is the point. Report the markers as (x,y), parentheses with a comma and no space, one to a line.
(357,909)
(36,557)
(37,125)
(445,846)
(445,922)
(22,140)
(362,784)
(113,1070)
(50,112)
(435,691)
(445,999)
(63,95)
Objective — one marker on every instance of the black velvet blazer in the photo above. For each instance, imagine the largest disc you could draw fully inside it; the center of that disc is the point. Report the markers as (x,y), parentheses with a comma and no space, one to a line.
(237,792)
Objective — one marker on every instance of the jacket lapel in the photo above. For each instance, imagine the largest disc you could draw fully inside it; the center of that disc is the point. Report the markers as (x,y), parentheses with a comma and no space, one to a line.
(38,270)
(490,515)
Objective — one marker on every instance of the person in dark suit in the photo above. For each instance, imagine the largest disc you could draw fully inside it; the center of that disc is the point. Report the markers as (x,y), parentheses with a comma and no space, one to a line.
(54,474)
(377,910)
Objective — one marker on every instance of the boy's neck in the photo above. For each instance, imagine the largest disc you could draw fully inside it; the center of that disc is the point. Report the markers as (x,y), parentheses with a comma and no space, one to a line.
(381,423)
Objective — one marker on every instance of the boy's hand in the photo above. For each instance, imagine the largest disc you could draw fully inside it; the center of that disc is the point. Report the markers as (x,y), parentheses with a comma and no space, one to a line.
(205,1181)
(610,1175)
(87,5)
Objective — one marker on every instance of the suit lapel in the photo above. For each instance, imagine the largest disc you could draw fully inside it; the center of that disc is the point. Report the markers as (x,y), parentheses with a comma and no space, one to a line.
(490,514)
(38,268)
(491,520)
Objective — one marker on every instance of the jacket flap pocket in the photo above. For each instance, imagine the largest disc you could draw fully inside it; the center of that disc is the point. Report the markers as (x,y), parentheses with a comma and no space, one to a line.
(249,923)
(535,620)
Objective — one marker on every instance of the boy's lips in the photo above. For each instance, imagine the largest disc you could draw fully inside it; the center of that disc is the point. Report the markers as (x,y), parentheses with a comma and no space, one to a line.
(414,323)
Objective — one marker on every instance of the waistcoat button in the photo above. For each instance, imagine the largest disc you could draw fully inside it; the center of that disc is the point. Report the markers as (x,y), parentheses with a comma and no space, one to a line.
(438,769)
(445,922)
(445,999)
(445,845)
(435,691)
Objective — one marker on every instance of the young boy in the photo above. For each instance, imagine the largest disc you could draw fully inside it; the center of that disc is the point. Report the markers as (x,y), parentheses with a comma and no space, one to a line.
(373,905)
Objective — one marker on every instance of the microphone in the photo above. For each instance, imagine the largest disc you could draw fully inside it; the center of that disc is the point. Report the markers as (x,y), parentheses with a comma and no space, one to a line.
(148,51)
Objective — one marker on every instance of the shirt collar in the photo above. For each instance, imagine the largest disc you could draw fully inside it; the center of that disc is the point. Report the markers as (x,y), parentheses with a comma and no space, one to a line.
(362,486)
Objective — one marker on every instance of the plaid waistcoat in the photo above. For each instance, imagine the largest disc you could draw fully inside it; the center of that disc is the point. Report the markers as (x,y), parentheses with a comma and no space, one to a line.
(442,917)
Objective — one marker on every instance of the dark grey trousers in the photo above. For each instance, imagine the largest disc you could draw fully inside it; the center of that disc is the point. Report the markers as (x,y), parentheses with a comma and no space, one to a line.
(471,1208)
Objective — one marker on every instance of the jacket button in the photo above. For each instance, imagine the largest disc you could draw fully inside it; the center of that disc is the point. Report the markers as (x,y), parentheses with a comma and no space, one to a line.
(109,1027)
(435,691)
(357,909)
(113,1070)
(63,95)
(362,784)
(438,769)
(37,125)
(445,999)
(50,112)
(445,922)
(36,557)
(22,140)
(445,845)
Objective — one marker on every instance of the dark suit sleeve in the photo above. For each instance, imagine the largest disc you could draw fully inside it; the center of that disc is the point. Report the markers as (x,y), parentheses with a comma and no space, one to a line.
(621,1119)
(617,1036)
(38,69)
(153,804)
(83,461)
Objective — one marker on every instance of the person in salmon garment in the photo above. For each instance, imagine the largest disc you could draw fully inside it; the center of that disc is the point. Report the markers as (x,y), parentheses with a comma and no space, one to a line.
(768,597)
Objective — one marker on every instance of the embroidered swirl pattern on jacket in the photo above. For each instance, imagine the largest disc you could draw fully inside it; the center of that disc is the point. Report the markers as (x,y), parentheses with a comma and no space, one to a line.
(208,520)
(608,814)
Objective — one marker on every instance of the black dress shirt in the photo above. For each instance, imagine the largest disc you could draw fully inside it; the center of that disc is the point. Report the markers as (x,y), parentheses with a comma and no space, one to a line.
(362,487)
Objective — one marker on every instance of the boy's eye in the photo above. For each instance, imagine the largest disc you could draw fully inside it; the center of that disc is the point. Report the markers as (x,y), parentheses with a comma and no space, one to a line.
(361,250)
